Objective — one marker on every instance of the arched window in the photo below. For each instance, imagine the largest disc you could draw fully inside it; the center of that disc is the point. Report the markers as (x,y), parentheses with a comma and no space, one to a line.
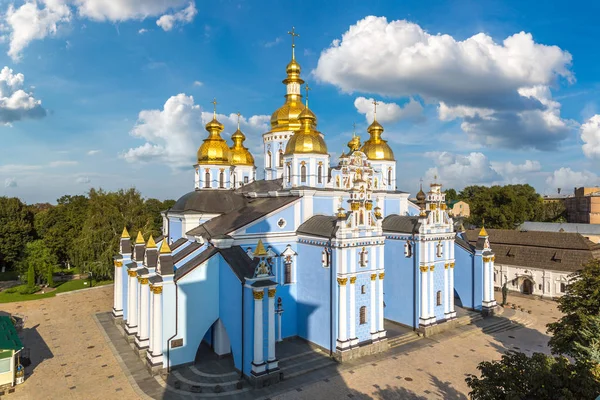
(287,263)
(363,315)
(207,179)
(362,218)
(389,177)
(439,298)
(303,174)
(320,174)
(363,289)
(221,179)
(563,287)
(289,173)
(407,249)
(269,159)
(280,158)
(233,179)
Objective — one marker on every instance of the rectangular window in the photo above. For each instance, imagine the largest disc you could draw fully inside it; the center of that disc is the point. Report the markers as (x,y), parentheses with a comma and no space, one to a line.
(245,179)
(363,315)
(5,365)
(288,272)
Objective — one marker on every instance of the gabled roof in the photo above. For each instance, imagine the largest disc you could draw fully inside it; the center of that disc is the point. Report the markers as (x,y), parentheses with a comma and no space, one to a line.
(209,201)
(319,225)
(584,229)
(178,243)
(401,223)
(9,340)
(256,208)
(237,259)
(464,244)
(262,186)
(186,251)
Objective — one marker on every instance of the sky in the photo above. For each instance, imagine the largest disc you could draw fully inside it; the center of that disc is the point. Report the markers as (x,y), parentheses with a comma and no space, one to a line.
(115,93)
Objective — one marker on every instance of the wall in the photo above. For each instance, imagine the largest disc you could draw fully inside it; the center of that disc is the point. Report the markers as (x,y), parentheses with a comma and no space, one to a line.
(463,277)
(230,309)
(174,229)
(7,378)
(398,285)
(550,280)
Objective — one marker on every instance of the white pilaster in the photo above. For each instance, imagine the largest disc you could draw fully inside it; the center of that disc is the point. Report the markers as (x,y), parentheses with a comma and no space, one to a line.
(258,363)
(353,310)
(380,306)
(373,306)
(452,288)
(342,341)
(151,320)
(352,251)
(155,355)
(486,267)
(446,296)
(272,360)
(118,290)
(132,325)
(143,317)
(423,320)
(432,296)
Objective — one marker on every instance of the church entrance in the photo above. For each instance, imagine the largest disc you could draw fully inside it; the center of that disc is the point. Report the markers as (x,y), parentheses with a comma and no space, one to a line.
(214,352)
(527,286)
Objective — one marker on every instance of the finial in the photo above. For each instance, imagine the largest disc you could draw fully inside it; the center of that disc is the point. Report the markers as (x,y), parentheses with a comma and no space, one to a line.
(164,247)
(375,110)
(214,102)
(151,243)
(125,234)
(354,129)
(238,114)
(421,183)
(293,34)
(140,238)
(307,89)
(260,249)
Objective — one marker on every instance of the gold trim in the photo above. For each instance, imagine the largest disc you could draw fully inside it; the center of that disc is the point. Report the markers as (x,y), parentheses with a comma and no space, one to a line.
(156,289)
(143,281)
(381,275)
(424,268)
(493,258)
(118,263)
(132,273)
(258,295)
(342,281)
(446,266)
(451,265)
(352,280)
(272,293)
(431,267)
(373,277)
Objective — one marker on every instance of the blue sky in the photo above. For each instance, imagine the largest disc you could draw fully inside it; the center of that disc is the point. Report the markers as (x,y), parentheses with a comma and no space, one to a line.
(115,93)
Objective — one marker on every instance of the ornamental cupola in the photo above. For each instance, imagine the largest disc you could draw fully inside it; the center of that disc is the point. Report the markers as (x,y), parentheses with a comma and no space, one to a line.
(375,147)
(307,139)
(240,155)
(286,117)
(214,150)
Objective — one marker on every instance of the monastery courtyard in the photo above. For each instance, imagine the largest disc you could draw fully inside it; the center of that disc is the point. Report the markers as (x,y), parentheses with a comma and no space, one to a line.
(73,357)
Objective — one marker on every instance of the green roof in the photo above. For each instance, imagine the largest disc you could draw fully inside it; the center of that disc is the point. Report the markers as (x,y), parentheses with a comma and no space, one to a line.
(451,203)
(9,340)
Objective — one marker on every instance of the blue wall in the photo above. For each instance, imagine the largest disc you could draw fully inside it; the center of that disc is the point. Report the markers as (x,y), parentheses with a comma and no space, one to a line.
(270,224)
(174,229)
(391,206)
(398,285)
(230,309)
(463,277)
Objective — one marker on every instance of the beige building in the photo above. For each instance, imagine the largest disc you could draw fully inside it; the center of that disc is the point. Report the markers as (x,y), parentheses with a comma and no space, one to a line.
(584,206)
(10,346)
(537,263)
(458,208)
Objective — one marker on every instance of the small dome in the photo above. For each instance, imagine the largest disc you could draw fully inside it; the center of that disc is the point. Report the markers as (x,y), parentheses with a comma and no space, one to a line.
(354,144)
(240,155)
(306,139)
(214,150)
(376,148)
(421,196)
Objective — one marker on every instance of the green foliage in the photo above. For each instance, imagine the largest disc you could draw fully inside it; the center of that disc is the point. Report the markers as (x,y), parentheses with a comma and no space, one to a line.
(541,377)
(50,277)
(9,276)
(451,195)
(16,228)
(39,257)
(31,276)
(61,287)
(29,289)
(581,307)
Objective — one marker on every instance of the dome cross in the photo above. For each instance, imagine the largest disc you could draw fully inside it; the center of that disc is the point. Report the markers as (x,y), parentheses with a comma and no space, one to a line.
(375,110)
(238,115)
(214,103)
(293,34)
(307,89)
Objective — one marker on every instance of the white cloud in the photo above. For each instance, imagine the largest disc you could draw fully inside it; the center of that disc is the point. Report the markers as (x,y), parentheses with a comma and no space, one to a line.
(15,103)
(93,152)
(590,134)
(142,31)
(10,183)
(566,178)
(389,112)
(18,168)
(62,163)
(168,21)
(123,10)
(457,170)
(500,90)
(174,134)
(31,22)
(198,83)
(274,42)
(83,180)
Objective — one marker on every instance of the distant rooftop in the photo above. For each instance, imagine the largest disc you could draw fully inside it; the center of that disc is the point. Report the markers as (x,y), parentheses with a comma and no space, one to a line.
(584,229)
(9,340)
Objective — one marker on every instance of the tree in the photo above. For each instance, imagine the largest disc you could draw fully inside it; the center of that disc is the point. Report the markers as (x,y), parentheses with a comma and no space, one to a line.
(39,257)
(540,377)
(451,195)
(16,229)
(31,277)
(50,277)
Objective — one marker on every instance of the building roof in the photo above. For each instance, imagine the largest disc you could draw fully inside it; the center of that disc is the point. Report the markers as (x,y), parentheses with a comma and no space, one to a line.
(584,229)
(542,250)
(401,223)
(319,225)
(9,340)
(240,263)
(262,186)
(186,251)
(178,243)
(209,201)
(254,209)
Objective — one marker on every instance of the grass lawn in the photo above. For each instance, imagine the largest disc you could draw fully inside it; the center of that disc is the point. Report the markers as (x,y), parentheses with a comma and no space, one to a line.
(61,287)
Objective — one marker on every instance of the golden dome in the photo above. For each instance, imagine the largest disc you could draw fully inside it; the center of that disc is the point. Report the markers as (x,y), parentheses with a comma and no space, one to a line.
(306,139)
(214,150)
(354,144)
(239,154)
(376,148)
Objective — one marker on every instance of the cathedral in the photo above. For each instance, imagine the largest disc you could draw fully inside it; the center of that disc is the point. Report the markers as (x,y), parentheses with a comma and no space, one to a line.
(328,251)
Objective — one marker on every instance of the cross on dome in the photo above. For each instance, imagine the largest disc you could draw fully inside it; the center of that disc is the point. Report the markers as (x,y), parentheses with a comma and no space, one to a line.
(293,34)
(214,103)
(238,114)
(307,89)
(375,110)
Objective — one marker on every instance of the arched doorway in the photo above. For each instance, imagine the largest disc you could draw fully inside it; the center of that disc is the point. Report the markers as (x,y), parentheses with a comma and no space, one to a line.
(527,286)
(214,351)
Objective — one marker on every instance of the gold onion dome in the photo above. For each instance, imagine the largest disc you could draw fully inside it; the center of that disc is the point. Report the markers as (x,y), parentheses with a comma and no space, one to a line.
(421,196)
(214,150)
(376,148)
(240,155)
(306,139)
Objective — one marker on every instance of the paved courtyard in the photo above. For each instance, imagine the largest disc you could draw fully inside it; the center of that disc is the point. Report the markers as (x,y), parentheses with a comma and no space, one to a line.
(73,357)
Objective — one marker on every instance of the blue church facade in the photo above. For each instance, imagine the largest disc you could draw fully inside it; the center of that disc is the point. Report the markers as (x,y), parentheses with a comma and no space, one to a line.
(326,253)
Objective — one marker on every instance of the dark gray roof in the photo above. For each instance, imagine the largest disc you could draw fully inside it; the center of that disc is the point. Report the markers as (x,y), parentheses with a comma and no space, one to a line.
(263,283)
(237,259)
(142,271)
(262,186)
(464,244)
(131,265)
(209,201)
(401,223)
(155,279)
(186,251)
(178,243)
(584,229)
(319,225)
(255,209)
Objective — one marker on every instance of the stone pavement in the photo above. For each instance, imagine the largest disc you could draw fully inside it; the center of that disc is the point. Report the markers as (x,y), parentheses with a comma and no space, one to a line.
(73,345)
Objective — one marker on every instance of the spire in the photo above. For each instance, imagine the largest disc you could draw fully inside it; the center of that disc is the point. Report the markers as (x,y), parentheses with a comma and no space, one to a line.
(375,110)
(214,102)
(140,239)
(151,243)
(260,250)
(307,89)
(125,234)
(164,247)
(483,232)
(238,114)
(293,34)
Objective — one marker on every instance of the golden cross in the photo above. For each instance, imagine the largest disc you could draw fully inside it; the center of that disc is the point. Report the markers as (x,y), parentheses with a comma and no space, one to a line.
(238,114)
(214,102)
(375,113)
(293,34)
(307,89)
(353,129)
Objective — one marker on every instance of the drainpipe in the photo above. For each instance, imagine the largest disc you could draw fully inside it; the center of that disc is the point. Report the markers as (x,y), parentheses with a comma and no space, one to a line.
(242,367)
(176,324)
(414,256)
(330,308)
(473,280)
(168,224)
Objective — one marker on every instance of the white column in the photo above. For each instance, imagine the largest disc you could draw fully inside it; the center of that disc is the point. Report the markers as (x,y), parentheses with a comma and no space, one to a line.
(451,290)
(157,345)
(380,303)
(271,317)
(118,290)
(352,307)
(424,306)
(373,305)
(431,292)
(446,299)
(352,251)
(144,309)
(340,256)
(132,302)
(486,266)
(151,321)
(258,359)
(279,327)
(342,305)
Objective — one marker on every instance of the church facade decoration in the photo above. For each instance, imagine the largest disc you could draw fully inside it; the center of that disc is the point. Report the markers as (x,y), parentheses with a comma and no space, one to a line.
(337,247)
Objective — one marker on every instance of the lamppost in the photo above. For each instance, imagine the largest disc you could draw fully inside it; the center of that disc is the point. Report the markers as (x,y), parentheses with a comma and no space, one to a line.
(279,311)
